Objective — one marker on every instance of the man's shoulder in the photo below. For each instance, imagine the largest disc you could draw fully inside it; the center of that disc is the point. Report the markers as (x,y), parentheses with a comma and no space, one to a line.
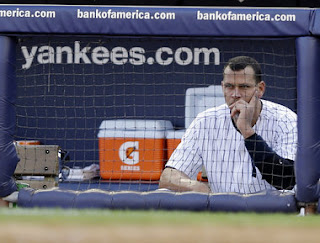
(272,109)
(211,116)
(215,112)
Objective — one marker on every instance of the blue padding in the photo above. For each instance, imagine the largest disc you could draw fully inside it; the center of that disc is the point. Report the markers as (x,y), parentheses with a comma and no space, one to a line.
(178,201)
(59,199)
(127,200)
(8,155)
(108,186)
(272,201)
(101,200)
(307,167)
(227,202)
(150,20)
(269,201)
(315,22)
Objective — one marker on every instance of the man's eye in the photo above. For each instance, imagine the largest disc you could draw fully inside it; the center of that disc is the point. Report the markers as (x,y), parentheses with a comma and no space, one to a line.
(228,85)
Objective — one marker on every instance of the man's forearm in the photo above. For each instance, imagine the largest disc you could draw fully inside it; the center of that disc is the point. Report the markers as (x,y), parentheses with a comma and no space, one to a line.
(175,180)
(278,171)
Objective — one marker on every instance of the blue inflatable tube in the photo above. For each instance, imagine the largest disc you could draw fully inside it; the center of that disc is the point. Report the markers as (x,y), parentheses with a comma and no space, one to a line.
(307,167)
(8,155)
(266,201)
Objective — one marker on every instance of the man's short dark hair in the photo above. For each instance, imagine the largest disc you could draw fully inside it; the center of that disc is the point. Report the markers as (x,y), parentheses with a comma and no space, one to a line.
(241,62)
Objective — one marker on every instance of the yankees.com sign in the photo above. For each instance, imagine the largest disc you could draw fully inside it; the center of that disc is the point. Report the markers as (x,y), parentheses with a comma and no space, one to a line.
(118,55)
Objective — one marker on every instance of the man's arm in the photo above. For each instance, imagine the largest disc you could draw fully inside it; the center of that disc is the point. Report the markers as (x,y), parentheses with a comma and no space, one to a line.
(178,181)
(277,171)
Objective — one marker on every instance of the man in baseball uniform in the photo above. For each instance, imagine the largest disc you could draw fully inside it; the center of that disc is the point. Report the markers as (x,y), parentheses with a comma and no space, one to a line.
(246,145)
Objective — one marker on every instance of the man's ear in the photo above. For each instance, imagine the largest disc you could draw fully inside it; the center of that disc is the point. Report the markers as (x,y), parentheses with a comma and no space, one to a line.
(261,88)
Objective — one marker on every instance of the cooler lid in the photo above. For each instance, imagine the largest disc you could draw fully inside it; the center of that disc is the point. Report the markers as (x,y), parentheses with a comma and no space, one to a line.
(201,98)
(136,124)
(175,134)
(131,134)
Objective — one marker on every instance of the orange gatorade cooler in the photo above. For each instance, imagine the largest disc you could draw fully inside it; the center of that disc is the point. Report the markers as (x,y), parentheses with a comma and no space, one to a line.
(173,140)
(132,149)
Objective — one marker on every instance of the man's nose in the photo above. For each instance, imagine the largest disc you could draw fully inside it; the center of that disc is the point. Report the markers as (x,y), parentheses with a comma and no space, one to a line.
(236,92)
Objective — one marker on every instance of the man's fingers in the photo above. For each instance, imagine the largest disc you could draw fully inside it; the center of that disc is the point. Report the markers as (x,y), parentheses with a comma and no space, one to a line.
(254,99)
(237,107)
(234,111)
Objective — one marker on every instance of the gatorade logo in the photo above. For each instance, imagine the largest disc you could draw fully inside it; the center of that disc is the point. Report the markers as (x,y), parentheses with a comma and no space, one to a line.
(128,152)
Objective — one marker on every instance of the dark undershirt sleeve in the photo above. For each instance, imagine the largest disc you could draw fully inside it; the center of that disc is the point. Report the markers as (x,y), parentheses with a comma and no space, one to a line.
(277,171)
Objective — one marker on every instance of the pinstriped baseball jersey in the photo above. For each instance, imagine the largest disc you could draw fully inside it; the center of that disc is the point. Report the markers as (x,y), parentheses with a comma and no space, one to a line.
(212,141)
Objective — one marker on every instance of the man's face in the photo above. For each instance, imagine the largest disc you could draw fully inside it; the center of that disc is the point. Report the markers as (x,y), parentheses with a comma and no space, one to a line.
(240,84)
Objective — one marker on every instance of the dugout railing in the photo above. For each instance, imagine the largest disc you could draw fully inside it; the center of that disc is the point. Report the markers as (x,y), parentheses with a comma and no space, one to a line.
(301,25)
